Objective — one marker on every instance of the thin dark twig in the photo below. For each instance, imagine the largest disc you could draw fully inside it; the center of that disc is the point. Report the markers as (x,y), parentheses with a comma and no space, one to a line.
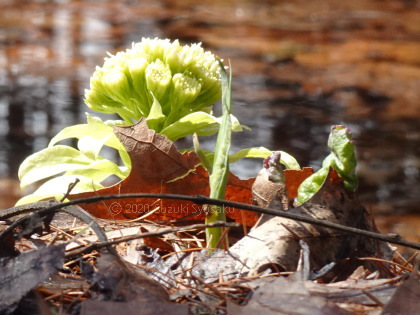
(69,189)
(201,200)
(41,209)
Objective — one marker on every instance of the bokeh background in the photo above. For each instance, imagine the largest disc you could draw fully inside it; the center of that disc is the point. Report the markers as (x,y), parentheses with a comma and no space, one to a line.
(298,68)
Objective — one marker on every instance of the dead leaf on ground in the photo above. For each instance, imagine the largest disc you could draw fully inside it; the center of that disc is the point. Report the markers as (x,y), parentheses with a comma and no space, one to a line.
(116,280)
(21,274)
(118,285)
(131,308)
(156,165)
(406,299)
(157,243)
(284,296)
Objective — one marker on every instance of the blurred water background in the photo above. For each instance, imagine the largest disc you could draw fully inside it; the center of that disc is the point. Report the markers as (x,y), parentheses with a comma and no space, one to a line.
(298,67)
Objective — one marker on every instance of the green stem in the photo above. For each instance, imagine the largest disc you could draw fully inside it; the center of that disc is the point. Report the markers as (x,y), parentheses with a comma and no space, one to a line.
(220,172)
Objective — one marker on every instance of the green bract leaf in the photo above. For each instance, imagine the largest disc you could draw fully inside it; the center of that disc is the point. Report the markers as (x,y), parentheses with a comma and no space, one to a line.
(91,146)
(342,159)
(95,128)
(100,170)
(199,122)
(155,117)
(57,187)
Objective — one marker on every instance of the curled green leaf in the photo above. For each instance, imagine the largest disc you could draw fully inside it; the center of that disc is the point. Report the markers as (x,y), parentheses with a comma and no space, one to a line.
(342,159)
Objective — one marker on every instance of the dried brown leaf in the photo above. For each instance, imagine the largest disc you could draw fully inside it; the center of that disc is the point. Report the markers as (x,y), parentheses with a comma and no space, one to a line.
(156,164)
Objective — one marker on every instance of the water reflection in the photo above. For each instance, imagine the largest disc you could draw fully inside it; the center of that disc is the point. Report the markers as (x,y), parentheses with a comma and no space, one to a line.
(299,67)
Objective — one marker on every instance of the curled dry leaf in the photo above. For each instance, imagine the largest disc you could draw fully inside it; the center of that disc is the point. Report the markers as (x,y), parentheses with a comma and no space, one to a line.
(158,167)
(157,243)
(275,187)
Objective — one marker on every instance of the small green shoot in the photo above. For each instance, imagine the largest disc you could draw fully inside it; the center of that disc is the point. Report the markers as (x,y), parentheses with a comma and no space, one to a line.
(342,159)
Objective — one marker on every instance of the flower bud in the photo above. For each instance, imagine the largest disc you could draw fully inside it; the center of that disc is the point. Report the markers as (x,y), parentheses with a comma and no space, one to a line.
(116,85)
(183,79)
(185,90)
(158,79)
(137,71)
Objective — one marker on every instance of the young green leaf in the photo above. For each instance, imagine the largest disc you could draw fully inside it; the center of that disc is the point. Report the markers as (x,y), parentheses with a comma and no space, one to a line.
(261,152)
(95,129)
(342,159)
(201,123)
(50,162)
(60,159)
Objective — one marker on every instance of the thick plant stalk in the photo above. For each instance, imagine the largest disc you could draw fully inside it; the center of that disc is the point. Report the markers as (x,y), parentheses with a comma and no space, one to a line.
(218,179)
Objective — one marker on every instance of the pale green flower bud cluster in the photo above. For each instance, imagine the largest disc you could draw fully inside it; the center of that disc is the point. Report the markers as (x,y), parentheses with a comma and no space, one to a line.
(179,80)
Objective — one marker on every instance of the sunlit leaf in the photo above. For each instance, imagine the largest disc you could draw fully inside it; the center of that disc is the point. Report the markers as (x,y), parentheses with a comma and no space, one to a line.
(261,152)
(57,187)
(198,122)
(91,146)
(100,170)
(59,159)
(95,129)
(201,123)
(50,162)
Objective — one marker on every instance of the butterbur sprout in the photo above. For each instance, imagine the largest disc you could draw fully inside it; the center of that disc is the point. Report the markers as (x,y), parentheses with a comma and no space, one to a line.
(172,86)
(178,79)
